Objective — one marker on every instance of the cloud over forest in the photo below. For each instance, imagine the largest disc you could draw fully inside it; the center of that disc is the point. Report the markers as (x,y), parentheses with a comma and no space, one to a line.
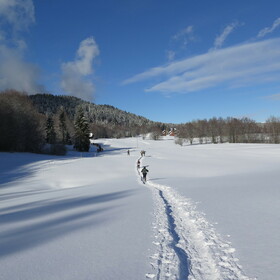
(77,74)
(16,18)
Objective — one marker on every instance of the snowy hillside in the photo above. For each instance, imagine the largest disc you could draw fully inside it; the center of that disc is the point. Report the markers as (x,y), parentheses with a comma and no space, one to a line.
(206,212)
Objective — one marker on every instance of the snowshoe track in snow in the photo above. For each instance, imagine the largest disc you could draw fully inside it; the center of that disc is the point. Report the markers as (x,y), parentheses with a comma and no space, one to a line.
(187,245)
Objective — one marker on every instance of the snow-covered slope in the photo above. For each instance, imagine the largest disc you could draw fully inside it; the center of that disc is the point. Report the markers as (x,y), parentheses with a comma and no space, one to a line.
(77,218)
(206,212)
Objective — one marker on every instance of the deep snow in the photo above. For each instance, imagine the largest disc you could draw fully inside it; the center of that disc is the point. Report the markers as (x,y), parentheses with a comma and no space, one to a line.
(76,218)
(207,211)
(237,187)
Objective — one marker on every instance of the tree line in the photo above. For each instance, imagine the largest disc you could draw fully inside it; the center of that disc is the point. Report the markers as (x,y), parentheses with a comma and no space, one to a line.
(24,129)
(20,124)
(232,130)
(46,123)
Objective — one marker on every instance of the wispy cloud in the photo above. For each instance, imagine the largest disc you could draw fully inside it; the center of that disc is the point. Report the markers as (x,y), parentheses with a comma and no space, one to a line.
(219,41)
(268,30)
(185,35)
(170,55)
(76,74)
(188,31)
(17,13)
(180,41)
(15,72)
(241,65)
(273,96)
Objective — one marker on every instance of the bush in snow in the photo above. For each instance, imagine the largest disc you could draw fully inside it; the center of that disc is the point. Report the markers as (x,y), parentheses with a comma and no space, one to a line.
(179,141)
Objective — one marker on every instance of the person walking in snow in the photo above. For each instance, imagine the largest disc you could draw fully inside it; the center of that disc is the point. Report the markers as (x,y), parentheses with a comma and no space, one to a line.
(128,152)
(144,172)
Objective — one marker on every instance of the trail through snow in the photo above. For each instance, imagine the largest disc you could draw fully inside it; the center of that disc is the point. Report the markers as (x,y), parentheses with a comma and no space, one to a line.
(188,247)
(91,217)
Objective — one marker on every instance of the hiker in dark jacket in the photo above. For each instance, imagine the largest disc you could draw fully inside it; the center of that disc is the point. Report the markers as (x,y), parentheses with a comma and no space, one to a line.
(144,172)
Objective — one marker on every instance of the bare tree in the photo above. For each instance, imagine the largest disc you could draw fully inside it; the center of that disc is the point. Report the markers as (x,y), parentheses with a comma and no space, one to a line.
(273,129)
(213,125)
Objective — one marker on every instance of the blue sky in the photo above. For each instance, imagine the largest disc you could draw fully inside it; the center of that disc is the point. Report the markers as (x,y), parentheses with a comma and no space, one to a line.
(170,61)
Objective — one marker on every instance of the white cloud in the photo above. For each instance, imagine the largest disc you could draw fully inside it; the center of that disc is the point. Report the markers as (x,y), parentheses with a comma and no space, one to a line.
(17,13)
(241,65)
(76,73)
(268,30)
(15,72)
(219,41)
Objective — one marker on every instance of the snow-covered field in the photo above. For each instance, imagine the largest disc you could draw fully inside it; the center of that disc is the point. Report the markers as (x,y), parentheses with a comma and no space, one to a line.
(206,212)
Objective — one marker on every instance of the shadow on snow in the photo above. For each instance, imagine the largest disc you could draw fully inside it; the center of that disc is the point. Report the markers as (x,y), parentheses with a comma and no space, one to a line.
(42,221)
(15,166)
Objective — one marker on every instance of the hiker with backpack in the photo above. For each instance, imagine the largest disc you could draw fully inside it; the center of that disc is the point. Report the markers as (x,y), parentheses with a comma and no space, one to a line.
(144,172)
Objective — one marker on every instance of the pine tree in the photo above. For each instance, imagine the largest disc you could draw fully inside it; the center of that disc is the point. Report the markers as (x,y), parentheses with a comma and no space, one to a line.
(82,143)
(68,139)
(62,126)
(50,131)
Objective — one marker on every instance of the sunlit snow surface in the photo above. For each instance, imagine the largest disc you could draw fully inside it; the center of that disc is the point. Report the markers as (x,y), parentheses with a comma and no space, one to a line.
(206,212)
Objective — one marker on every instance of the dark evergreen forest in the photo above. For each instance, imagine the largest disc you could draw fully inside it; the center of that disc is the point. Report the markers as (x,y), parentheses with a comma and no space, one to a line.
(29,122)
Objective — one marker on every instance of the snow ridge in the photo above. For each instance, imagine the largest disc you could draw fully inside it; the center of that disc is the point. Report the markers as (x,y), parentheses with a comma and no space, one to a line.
(187,245)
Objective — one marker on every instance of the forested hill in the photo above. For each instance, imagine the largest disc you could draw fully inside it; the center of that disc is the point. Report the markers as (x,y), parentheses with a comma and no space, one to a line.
(104,120)
(49,104)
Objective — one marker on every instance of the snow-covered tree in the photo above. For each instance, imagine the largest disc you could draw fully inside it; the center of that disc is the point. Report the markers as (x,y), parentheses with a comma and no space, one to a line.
(82,143)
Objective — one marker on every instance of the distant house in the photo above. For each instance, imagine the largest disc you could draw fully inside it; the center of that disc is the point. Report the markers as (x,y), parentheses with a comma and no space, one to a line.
(172,132)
